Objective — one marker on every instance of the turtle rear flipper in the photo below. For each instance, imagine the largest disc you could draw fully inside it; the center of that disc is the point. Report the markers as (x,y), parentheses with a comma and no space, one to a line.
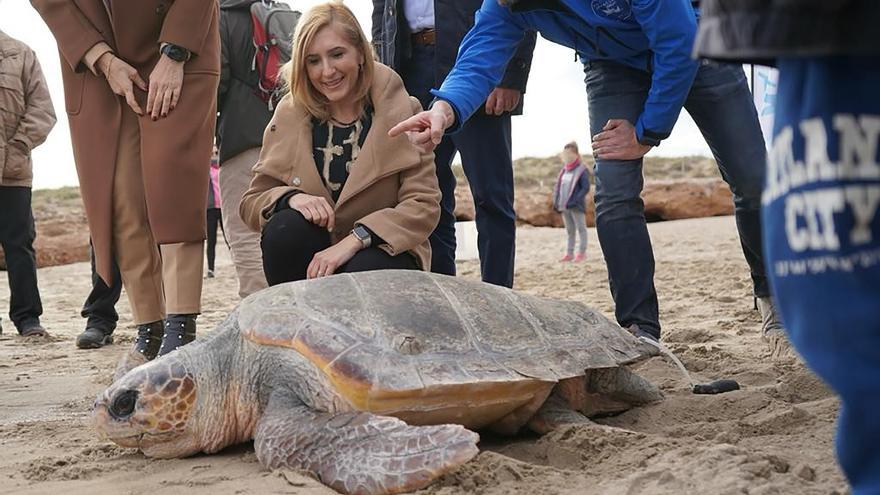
(359,453)
(555,413)
(604,391)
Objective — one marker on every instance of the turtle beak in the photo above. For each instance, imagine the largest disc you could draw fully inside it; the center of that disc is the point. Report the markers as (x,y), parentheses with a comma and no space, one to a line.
(132,442)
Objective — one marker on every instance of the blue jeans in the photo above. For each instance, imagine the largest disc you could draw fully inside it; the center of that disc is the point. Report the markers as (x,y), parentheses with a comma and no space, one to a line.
(721,105)
(822,238)
(485,147)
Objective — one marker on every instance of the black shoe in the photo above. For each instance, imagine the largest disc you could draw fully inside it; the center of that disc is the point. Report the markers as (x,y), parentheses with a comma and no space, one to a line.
(179,331)
(33,330)
(93,338)
(149,339)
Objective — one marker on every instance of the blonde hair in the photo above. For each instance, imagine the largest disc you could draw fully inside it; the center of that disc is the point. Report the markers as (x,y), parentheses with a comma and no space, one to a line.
(573,146)
(295,73)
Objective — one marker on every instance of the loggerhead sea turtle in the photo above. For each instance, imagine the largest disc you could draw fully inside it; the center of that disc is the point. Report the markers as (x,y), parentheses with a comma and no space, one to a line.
(373,381)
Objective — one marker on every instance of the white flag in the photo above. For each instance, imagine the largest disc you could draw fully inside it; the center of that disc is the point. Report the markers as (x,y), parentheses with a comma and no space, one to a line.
(765,83)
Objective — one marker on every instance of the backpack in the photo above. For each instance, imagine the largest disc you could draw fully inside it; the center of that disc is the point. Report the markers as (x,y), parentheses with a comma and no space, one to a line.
(274,23)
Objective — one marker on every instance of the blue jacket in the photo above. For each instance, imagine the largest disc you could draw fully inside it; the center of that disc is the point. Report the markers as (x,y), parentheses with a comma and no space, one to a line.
(578,198)
(650,35)
(452,20)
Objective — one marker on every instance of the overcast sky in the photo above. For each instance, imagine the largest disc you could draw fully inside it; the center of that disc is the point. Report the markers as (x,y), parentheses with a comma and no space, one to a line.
(555,106)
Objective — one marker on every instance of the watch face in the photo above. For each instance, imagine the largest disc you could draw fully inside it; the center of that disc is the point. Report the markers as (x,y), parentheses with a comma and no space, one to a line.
(362,234)
(175,53)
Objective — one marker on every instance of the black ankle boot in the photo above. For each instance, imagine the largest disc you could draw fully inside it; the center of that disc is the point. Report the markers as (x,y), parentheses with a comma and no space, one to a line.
(93,338)
(179,331)
(149,338)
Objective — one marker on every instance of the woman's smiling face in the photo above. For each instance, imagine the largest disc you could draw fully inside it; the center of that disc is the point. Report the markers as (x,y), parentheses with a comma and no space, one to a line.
(333,65)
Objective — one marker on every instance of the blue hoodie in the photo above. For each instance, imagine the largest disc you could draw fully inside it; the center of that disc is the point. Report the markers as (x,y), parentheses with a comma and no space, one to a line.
(651,35)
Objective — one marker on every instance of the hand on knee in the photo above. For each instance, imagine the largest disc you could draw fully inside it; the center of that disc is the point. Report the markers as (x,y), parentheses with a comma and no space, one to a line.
(328,261)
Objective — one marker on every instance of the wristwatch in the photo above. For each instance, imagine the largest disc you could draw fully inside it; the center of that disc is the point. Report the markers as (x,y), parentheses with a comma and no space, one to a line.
(363,235)
(174,52)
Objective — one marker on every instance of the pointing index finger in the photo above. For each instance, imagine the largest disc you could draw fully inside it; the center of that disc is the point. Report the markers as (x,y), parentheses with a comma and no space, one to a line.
(410,124)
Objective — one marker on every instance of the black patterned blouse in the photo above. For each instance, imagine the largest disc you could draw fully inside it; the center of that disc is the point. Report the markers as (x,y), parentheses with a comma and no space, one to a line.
(336,147)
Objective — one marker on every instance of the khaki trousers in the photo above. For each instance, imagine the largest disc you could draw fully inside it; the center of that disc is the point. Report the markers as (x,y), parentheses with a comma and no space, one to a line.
(156,278)
(235,178)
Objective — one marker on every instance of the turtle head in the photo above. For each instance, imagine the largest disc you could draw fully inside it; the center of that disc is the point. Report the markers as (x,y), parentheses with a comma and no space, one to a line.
(152,408)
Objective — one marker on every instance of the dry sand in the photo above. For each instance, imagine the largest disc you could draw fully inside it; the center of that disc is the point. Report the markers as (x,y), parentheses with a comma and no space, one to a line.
(774,436)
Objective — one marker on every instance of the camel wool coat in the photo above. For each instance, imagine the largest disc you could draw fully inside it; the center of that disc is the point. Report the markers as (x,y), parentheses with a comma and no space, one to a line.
(391,189)
(175,150)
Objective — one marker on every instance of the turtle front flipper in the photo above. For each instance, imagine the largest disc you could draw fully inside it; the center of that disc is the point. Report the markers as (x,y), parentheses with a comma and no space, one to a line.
(359,453)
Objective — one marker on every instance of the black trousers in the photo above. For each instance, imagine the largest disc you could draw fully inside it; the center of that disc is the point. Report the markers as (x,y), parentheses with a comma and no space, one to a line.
(290,242)
(215,219)
(100,306)
(17,236)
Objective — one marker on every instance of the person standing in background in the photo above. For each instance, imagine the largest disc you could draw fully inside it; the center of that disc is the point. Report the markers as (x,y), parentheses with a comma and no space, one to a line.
(140,84)
(419,39)
(570,199)
(215,215)
(243,117)
(26,118)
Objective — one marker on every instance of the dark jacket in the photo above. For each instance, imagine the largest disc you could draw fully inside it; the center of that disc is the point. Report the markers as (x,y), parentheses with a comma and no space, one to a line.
(577,196)
(452,20)
(243,115)
(757,31)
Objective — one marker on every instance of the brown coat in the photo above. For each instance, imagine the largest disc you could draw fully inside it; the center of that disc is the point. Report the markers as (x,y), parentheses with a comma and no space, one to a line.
(392,188)
(27,115)
(176,150)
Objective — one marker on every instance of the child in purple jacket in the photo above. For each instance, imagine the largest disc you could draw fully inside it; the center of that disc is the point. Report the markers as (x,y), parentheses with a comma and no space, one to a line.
(569,198)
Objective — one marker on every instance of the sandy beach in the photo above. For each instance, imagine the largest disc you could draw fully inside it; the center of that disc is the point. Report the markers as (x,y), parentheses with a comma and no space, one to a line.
(775,436)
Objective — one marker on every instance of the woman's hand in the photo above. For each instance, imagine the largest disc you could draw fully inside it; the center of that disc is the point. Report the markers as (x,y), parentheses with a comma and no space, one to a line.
(121,77)
(315,209)
(166,83)
(326,262)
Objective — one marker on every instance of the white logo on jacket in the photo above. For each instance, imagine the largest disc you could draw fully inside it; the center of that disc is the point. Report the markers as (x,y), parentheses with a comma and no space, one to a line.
(612,9)
(822,196)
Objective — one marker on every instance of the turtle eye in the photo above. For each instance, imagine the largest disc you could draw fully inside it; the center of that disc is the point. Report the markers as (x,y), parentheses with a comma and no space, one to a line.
(123,404)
